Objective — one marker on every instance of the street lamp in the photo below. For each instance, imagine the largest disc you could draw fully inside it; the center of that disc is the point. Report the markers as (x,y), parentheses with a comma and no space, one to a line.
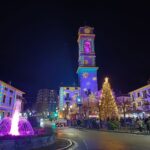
(79,103)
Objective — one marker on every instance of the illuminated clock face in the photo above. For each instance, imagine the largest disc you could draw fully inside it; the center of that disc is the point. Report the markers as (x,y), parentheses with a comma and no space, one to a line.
(87,46)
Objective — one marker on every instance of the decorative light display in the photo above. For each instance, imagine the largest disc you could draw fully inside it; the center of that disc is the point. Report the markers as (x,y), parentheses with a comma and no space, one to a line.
(85,89)
(108,106)
(87,46)
(92,97)
(88,83)
(16,126)
(94,79)
(85,75)
(87,71)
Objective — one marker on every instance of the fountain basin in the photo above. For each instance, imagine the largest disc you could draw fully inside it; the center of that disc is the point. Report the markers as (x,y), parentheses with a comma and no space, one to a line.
(26,142)
(24,127)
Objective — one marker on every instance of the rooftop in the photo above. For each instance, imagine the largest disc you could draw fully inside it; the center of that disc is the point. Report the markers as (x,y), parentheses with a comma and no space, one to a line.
(141,88)
(10,86)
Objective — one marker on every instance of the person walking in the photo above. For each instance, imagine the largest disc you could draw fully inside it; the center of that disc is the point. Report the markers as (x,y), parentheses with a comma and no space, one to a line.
(132,125)
(78,123)
(140,125)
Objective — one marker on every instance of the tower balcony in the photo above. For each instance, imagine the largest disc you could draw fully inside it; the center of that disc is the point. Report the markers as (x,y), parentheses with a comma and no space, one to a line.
(82,69)
(86,65)
(87,54)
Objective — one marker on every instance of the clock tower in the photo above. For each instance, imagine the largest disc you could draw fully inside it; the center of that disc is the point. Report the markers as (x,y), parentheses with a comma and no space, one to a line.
(87,70)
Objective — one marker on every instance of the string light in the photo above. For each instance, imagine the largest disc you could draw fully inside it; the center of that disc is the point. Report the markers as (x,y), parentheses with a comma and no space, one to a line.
(108,106)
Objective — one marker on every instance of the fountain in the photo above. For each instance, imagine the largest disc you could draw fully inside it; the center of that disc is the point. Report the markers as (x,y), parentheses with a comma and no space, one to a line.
(16,126)
(17,133)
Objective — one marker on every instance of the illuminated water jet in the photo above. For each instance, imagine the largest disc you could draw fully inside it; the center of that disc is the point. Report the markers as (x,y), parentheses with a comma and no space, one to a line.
(16,125)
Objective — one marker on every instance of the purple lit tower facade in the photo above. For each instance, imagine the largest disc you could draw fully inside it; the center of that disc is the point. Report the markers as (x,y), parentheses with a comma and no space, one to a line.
(87,70)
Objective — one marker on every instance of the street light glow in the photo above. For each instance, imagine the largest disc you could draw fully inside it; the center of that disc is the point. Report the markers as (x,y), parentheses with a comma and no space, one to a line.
(78,99)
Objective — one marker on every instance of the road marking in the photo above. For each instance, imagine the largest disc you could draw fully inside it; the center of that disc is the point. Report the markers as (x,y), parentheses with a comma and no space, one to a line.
(75,146)
(85,143)
(70,143)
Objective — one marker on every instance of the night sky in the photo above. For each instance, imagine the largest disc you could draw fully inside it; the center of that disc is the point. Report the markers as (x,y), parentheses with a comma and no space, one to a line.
(38,43)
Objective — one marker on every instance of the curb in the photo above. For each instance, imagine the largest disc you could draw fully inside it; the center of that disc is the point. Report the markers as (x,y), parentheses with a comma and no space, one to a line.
(30,142)
(115,131)
(125,132)
(75,145)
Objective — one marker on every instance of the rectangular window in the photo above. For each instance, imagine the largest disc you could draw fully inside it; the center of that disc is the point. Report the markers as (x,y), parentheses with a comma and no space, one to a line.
(3,114)
(10,101)
(6,89)
(138,94)
(11,91)
(67,97)
(8,114)
(134,106)
(139,103)
(133,97)
(4,98)
(144,94)
(19,97)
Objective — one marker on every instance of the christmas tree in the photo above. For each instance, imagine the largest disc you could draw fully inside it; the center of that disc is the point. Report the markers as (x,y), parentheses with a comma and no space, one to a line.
(108,107)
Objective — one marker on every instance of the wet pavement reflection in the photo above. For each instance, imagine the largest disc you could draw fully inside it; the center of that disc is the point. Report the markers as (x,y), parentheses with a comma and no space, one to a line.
(98,140)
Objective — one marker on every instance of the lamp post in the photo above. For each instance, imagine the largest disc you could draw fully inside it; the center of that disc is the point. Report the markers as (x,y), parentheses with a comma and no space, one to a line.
(79,104)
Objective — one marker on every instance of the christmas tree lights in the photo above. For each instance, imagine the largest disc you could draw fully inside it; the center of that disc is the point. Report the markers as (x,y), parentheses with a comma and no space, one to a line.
(108,107)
